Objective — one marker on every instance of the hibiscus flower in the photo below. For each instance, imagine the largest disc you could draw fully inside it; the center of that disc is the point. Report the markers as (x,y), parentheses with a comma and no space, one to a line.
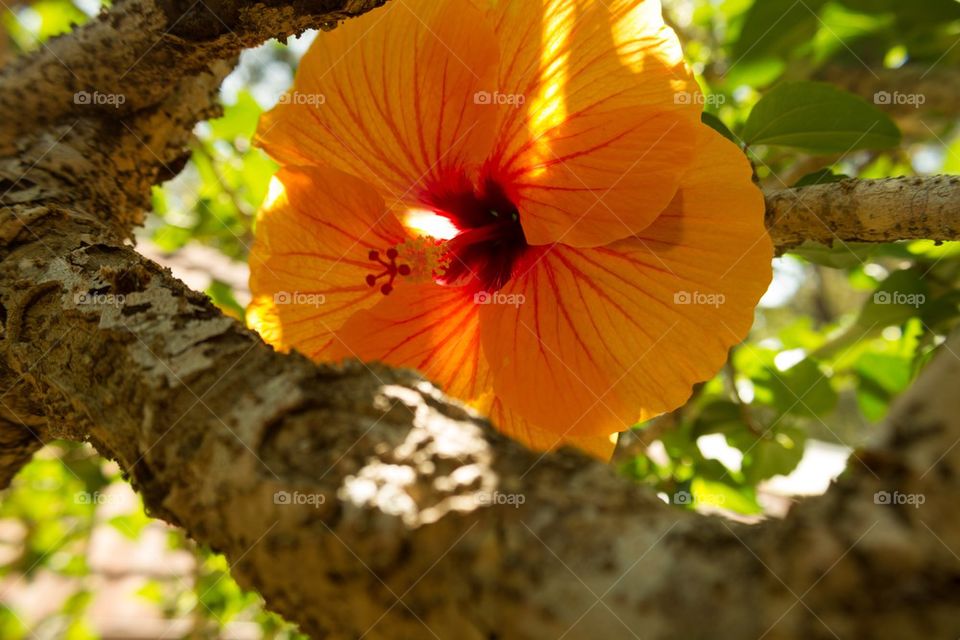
(517,199)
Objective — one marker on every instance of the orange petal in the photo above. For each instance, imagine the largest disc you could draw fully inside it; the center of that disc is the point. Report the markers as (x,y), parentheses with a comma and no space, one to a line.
(512,424)
(427,327)
(610,119)
(311,256)
(397,89)
(435,330)
(612,335)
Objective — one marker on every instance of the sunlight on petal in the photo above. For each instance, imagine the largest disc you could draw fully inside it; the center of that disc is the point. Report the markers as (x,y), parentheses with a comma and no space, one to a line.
(549,109)
(647,19)
(262,317)
(429,223)
(275,191)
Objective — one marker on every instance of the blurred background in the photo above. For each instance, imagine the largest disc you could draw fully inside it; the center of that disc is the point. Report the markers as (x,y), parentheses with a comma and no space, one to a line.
(840,334)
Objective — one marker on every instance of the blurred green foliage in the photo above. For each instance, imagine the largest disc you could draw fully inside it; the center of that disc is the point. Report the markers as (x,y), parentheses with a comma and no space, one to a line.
(30,26)
(842,333)
(57,502)
(214,200)
(845,328)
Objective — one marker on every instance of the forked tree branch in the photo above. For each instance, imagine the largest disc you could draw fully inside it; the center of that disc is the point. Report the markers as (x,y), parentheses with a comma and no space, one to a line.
(361,502)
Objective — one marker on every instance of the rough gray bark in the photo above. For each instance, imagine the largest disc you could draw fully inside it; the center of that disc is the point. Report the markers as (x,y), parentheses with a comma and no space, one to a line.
(400,540)
(865,211)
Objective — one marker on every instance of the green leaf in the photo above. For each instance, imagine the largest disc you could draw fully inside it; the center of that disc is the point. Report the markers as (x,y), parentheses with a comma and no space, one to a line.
(869,6)
(222,295)
(754,73)
(717,125)
(80,629)
(840,256)
(824,176)
(707,493)
(942,312)
(890,372)
(841,28)
(774,456)
(903,295)
(170,238)
(77,602)
(801,334)
(872,400)
(57,17)
(801,390)
(152,591)
(257,171)
(130,525)
(772,27)
(951,163)
(239,120)
(719,416)
(880,377)
(219,593)
(930,12)
(11,625)
(819,117)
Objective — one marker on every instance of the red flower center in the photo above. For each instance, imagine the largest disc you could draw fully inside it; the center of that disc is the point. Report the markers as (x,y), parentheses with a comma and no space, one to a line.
(484,253)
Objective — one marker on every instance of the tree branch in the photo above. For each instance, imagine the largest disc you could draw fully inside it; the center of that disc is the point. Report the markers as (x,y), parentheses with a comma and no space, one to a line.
(391,485)
(164,42)
(866,211)
(359,500)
